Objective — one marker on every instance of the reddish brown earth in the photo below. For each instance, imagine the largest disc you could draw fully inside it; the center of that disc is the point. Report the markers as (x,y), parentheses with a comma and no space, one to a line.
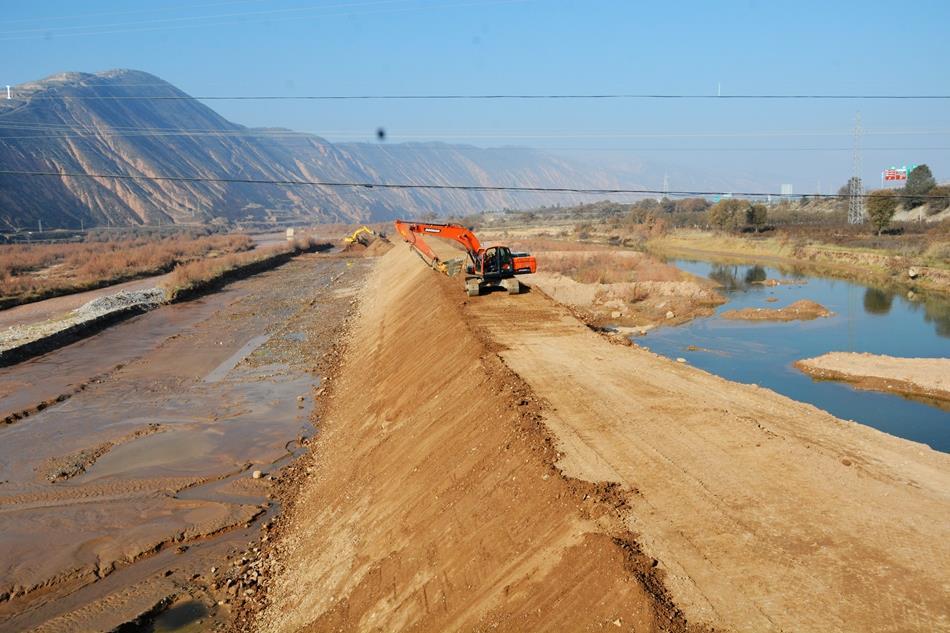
(493,464)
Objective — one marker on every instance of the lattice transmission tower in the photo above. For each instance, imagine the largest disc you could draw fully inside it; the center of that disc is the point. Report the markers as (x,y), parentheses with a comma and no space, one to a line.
(856,212)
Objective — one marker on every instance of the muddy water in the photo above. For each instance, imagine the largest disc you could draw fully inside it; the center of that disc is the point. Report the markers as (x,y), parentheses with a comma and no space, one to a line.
(865,319)
(179,407)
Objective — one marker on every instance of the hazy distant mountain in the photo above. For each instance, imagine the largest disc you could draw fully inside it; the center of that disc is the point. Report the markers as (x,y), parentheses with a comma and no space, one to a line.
(45,127)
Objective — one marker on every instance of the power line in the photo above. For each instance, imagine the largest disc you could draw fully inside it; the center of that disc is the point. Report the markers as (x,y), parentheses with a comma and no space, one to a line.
(465,134)
(407,147)
(189,5)
(236,19)
(491,97)
(193,18)
(437,187)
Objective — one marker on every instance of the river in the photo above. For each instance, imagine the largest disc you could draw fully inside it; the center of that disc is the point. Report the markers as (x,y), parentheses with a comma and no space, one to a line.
(865,319)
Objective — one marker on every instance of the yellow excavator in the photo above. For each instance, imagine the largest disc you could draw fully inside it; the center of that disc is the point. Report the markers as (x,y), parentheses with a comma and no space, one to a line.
(363,235)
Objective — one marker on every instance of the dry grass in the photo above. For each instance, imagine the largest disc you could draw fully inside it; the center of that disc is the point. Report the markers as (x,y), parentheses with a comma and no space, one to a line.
(33,272)
(607,266)
(541,245)
(202,272)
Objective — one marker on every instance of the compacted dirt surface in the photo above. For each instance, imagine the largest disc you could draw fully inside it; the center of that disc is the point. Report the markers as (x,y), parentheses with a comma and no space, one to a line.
(919,377)
(491,463)
(128,459)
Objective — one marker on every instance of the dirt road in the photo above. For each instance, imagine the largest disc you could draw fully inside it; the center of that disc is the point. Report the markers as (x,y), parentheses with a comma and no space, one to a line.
(126,470)
(579,484)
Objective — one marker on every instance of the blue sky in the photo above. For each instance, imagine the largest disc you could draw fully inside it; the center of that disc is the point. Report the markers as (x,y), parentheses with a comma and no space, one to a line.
(288,47)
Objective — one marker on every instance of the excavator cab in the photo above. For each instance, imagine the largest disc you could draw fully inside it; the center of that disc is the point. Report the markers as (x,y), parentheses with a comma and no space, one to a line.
(496,263)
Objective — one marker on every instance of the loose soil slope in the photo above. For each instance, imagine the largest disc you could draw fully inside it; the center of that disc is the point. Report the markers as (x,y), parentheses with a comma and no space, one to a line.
(926,377)
(433,504)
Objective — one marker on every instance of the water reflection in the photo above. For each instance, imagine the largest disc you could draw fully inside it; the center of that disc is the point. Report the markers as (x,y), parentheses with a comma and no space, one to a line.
(755,274)
(877,301)
(737,278)
(938,313)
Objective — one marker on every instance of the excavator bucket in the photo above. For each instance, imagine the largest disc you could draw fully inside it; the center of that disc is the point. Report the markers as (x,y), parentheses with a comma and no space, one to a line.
(452,267)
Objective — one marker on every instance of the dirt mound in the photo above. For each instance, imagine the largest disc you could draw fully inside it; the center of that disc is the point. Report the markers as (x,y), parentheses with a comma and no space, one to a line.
(379,246)
(632,303)
(354,247)
(919,377)
(433,503)
(802,310)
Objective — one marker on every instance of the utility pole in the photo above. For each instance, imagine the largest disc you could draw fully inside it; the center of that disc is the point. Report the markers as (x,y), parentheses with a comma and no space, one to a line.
(40,223)
(856,212)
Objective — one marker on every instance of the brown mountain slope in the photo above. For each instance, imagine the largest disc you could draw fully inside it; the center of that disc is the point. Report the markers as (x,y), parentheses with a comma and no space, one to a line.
(73,122)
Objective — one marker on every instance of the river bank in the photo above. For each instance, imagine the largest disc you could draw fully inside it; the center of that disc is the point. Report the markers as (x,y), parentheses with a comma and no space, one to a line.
(921,273)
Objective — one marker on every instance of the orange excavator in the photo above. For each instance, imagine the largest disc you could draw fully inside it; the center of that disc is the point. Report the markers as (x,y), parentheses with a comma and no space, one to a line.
(487,267)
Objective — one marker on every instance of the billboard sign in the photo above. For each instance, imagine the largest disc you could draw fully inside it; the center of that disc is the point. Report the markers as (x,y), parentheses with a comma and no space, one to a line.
(897,173)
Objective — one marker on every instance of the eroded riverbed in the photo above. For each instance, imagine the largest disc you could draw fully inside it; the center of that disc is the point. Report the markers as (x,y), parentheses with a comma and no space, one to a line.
(126,470)
(864,319)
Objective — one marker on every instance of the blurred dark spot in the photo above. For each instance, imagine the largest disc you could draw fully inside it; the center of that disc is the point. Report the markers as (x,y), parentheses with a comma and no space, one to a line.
(290,84)
(380,134)
(476,40)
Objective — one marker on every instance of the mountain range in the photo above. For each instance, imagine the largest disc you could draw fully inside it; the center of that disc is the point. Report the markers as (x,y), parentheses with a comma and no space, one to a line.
(132,123)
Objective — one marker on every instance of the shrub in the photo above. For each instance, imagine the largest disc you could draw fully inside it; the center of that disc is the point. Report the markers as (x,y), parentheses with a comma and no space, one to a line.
(726,214)
(881,205)
(35,271)
(937,204)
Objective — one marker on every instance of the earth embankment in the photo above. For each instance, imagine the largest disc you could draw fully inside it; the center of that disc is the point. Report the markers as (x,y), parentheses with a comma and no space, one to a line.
(493,463)
(432,502)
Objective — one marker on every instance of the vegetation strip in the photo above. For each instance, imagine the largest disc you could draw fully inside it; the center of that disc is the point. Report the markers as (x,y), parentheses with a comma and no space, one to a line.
(188,281)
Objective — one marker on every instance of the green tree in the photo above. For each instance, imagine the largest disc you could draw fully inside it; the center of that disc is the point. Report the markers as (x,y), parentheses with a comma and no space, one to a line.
(881,205)
(919,183)
(756,215)
(727,214)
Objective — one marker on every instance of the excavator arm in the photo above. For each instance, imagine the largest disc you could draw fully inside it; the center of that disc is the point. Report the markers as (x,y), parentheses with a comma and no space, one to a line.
(492,267)
(413,232)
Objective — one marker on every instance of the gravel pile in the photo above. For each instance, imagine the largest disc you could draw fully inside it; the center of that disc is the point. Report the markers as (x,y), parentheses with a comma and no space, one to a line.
(22,335)
(148,298)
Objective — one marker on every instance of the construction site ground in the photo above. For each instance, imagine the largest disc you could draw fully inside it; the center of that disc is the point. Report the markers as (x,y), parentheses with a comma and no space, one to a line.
(491,463)
(128,459)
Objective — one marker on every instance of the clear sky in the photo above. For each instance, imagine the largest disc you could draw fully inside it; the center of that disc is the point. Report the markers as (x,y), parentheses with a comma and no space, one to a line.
(296,47)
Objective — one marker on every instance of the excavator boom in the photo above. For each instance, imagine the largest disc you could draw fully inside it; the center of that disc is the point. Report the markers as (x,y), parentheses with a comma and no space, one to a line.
(412,232)
(494,266)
